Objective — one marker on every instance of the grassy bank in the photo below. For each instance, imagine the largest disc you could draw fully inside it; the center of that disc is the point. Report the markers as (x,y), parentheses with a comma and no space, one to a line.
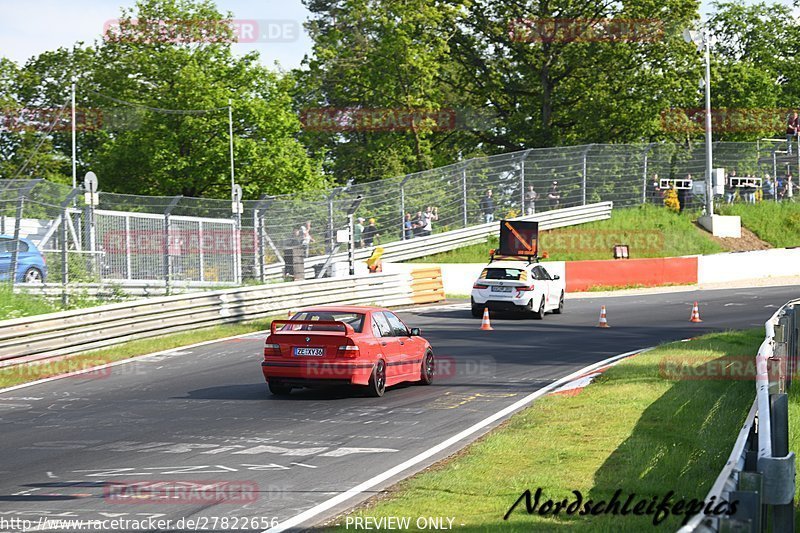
(775,223)
(649,231)
(15,305)
(633,429)
(16,375)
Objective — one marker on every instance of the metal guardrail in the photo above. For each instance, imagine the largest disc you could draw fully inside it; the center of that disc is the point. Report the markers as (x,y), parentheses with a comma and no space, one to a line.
(760,472)
(52,335)
(451,240)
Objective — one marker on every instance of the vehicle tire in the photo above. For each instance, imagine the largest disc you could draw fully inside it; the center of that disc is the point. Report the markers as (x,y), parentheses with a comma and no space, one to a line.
(33,275)
(279,389)
(377,381)
(539,315)
(560,308)
(477,312)
(428,369)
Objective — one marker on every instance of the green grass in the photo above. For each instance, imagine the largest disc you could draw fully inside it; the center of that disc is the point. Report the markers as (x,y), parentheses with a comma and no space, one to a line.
(775,223)
(15,375)
(649,231)
(14,305)
(632,429)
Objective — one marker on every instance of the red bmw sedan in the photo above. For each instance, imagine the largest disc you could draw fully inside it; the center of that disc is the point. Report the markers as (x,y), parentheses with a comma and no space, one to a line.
(348,345)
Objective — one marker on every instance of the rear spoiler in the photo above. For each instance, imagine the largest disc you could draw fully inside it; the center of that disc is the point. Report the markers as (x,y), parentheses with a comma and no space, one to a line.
(347,329)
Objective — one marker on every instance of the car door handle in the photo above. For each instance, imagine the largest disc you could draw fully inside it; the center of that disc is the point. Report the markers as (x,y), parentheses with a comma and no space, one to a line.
(402,343)
(383,343)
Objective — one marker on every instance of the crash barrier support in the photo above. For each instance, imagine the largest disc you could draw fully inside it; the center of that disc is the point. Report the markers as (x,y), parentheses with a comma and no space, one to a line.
(69,332)
(760,472)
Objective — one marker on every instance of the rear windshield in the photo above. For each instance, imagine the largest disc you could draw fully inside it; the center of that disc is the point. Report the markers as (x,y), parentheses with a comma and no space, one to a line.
(503,273)
(355,320)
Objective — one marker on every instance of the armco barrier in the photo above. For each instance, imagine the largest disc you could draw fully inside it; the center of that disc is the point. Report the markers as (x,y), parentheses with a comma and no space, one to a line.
(44,336)
(760,471)
(581,275)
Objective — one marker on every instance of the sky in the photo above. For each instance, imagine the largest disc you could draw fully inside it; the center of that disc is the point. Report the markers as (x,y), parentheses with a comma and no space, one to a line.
(29,27)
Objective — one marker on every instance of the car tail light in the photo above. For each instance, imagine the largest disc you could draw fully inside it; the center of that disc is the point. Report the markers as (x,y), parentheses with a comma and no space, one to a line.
(525,289)
(479,286)
(348,350)
(272,350)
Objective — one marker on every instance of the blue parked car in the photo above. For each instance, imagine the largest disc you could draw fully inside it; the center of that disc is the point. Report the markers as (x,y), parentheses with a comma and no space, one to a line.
(31,267)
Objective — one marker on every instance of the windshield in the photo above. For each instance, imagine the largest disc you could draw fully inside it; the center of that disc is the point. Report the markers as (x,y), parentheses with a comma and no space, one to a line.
(503,273)
(355,320)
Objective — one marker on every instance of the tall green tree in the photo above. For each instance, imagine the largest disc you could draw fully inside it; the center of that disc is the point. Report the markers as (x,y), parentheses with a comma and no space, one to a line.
(375,56)
(158,85)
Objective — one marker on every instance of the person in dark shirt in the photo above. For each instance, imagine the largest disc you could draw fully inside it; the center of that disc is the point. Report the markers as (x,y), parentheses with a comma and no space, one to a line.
(554,197)
(370,233)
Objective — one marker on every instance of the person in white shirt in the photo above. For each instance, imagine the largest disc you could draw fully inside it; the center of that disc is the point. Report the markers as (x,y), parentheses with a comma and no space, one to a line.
(305,237)
(430,214)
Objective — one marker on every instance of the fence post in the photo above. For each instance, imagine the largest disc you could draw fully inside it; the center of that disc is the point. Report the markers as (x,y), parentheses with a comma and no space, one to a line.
(464,194)
(23,193)
(522,187)
(259,213)
(167,255)
(583,183)
(64,256)
(644,173)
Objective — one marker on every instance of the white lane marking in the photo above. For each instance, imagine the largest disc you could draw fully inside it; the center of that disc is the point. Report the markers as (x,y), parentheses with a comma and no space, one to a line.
(430,452)
(50,475)
(733,304)
(303,464)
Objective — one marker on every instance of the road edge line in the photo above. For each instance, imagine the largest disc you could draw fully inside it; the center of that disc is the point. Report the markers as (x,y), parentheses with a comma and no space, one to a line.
(318,509)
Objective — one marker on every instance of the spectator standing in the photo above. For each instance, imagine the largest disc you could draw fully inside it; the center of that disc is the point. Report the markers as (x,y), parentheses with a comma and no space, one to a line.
(790,185)
(656,194)
(780,188)
(683,196)
(408,227)
(358,232)
(430,214)
(792,127)
(730,191)
(487,206)
(769,187)
(530,200)
(305,237)
(417,224)
(371,233)
(554,197)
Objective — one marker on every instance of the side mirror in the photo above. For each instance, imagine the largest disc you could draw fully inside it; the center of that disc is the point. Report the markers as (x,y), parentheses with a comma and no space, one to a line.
(415,332)
(556,277)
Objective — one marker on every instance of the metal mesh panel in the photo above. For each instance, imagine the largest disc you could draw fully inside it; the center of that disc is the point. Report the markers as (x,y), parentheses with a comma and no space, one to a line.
(123,237)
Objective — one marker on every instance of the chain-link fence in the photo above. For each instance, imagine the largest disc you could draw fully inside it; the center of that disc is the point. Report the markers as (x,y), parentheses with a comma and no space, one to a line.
(174,240)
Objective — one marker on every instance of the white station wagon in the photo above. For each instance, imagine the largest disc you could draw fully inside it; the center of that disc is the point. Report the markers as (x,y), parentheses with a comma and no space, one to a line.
(517,286)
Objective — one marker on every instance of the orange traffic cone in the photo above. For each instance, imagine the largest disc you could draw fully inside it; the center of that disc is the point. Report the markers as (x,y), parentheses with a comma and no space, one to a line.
(695,314)
(603,322)
(485,324)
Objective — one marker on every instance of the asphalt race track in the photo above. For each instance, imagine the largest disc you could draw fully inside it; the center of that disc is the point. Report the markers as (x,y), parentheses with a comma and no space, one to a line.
(204,415)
